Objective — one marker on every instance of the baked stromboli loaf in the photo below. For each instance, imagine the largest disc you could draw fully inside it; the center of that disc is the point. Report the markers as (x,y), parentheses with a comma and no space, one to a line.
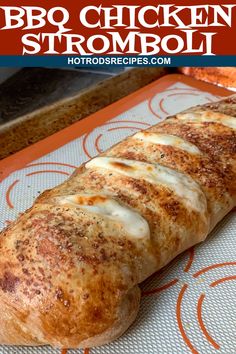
(70,265)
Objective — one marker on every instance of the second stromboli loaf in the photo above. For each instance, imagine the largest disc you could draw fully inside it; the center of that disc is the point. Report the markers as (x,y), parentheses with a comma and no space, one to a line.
(223,76)
(70,266)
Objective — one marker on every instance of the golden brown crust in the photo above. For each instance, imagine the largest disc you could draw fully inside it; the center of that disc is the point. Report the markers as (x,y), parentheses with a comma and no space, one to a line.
(68,276)
(66,273)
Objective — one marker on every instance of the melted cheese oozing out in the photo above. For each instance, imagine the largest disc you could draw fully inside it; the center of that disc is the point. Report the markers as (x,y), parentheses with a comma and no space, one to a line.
(183,186)
(134,224)
(166,139)
(208,116)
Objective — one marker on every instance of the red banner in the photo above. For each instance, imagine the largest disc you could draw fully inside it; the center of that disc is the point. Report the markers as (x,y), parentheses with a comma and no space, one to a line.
(116,27)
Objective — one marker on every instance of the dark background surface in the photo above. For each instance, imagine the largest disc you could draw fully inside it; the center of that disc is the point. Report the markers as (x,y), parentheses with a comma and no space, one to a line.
(33,88)
(38,102)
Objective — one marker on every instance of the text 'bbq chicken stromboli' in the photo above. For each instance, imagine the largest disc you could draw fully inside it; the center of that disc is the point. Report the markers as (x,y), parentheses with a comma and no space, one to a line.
(70,265)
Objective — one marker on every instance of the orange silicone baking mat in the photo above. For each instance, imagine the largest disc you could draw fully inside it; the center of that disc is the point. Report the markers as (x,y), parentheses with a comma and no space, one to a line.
(190,305)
